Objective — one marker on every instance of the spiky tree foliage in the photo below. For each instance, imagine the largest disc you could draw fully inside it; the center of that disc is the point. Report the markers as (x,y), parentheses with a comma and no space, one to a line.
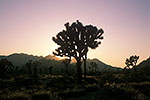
(66,62)
(5,66)
(131,62)
(75,40)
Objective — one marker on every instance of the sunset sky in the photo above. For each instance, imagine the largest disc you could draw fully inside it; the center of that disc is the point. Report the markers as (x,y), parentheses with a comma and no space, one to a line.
(27,26)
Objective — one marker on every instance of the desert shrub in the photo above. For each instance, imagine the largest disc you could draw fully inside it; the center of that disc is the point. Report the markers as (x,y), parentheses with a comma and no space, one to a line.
(92,88)
(91,80)
(26,81)
(125,92)
(143,87)
(15,96)
(60,82)
(42,95)
(135,94)
(70,93)
(6,84)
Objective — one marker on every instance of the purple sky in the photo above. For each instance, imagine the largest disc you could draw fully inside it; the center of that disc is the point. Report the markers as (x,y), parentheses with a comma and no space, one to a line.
(27,26)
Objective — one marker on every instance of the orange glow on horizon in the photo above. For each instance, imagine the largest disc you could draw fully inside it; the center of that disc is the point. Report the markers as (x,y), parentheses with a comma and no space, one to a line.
(28,26)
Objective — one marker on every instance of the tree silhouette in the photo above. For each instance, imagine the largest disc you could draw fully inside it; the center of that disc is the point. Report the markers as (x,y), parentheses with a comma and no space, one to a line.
(131,62)
(94,36)
(93,66)
(66,62)
(29,66)
(84,59)
(5,65)
(75,40)
(50,70)
(35,66)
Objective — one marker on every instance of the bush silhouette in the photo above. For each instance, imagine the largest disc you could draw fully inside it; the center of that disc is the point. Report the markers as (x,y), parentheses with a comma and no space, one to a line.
(35,66)
(29,66)
(93,67)
(50,70)
(5,66)
(41,95)
(15,96)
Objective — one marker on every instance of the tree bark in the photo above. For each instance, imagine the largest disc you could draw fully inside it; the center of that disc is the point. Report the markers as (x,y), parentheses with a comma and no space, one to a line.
(79,72)
(85,66)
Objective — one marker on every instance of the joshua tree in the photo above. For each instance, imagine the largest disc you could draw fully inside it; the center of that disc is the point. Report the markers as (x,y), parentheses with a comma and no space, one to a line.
(93,31)
(84,59)
(66,62)
(35,66)
(131,62)
(75,41)
(29,66)
(93,66)
(89,68)
(50,70)
(5,65)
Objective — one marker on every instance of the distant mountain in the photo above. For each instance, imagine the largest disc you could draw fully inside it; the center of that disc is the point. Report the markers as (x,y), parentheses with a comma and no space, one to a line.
(3,57)
(102,66)
(21,59)
(144,66)
(52,57)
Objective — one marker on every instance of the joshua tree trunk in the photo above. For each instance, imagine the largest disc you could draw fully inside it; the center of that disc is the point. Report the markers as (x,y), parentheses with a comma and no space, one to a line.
(79,73)
(85,66)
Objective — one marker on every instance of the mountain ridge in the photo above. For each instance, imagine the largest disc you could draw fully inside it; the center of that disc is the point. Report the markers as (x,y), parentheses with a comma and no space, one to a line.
(144,66)
(19,59)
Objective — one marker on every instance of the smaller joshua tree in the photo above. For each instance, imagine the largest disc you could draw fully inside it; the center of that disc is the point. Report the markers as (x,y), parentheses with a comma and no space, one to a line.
(93,66)
(29,66)
(50,70)
(131,62)
(5,66)
(66,62)
(35,66)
